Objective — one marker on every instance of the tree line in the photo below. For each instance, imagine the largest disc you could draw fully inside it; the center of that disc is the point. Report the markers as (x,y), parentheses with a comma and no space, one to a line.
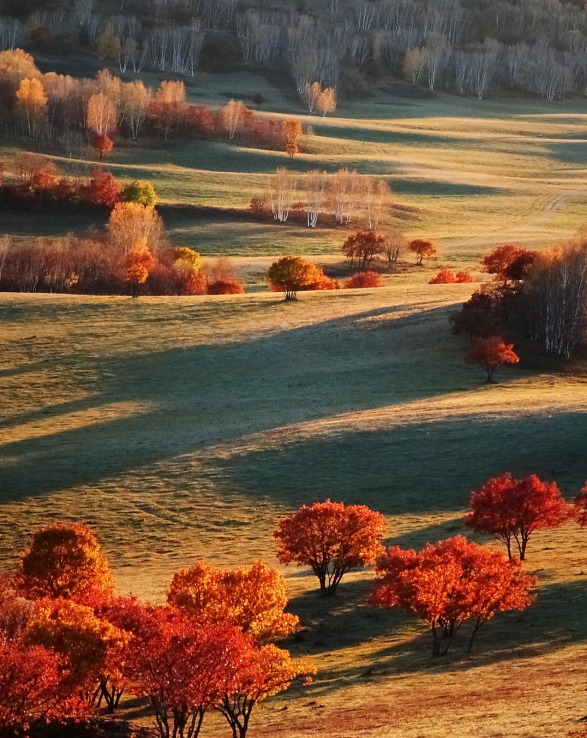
(466,46)
(59,109)
(69,644)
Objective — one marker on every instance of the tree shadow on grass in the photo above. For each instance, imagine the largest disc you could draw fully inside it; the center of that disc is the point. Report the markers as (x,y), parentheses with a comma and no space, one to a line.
(555,621)
(193,397)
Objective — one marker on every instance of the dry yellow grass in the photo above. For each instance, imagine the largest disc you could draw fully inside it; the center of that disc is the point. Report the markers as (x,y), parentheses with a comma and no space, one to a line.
(182,428)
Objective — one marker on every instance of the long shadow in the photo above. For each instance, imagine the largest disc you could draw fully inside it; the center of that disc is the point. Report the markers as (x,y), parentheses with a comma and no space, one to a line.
(196,396)
(554,622)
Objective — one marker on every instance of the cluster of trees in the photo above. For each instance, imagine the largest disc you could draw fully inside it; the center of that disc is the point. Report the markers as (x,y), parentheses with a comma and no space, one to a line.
(59,108)
(530,46)
(132,257)
(69,644)
(32,179)
(544,292)
(344,197)
(292,274)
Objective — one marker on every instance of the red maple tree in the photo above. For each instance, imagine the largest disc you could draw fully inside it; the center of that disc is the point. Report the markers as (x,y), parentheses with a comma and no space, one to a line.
(513,509)
(331,538)
(491,353)
(450,583)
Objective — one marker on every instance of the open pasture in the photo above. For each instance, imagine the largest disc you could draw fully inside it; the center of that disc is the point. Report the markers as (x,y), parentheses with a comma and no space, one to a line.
(465,173)
(181,428)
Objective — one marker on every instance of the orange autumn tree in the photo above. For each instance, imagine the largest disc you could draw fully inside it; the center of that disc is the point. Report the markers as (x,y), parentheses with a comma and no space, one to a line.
(138,263)
(64,560)
(513,509)
(332,538)
(33,101)
(423,249)
(262,672)
(291,132)
(491,353)
(251,598)
(290,274)
(450,583)
(91,646)
(363,246)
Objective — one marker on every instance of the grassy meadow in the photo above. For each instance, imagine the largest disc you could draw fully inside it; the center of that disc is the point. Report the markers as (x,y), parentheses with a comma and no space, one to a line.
(181,428)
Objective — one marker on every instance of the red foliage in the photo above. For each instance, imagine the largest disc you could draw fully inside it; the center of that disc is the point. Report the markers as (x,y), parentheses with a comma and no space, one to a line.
(363,246)
(450,583)
(331,538)
(183,669)
(102,143)
(34,687)
(490,353)
(103,189)
(225,287)
(580,507)
(512,509)
(364,279)
(444,276)
(509,262)
(463,277)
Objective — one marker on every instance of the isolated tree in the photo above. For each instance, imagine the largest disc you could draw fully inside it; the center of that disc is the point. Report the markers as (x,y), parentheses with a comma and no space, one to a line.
(102,143)
(64,560)
(291,133)
(423,249)
(250,598)
(291,274)
(509,263)
(141,192)
(363,246)
(332,538)
(262,672)
(513,509)
(491,353)
(449,583)
(394,244)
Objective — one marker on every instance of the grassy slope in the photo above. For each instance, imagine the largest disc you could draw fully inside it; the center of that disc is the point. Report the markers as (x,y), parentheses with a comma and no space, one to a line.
(182,428)
(476,173)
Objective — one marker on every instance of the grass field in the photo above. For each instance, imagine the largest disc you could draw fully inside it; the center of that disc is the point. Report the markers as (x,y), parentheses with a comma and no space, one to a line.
(182,428)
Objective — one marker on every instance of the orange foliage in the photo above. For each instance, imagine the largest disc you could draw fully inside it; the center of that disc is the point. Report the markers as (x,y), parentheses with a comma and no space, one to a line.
(463,277)
(444,276)
(364,279)
(363,246)
(291,274)
(580,507)
(512,509)
(250,598)
(102,143)
(64,560)
(450,583)
(137,265)
(423,249)
(331,538)
(262,672)
(490,353)
(225,287)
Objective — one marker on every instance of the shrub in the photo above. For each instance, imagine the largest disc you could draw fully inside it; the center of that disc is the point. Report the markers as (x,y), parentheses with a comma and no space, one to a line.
(225,287)
(444,276)
(464,277)
(364,279)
